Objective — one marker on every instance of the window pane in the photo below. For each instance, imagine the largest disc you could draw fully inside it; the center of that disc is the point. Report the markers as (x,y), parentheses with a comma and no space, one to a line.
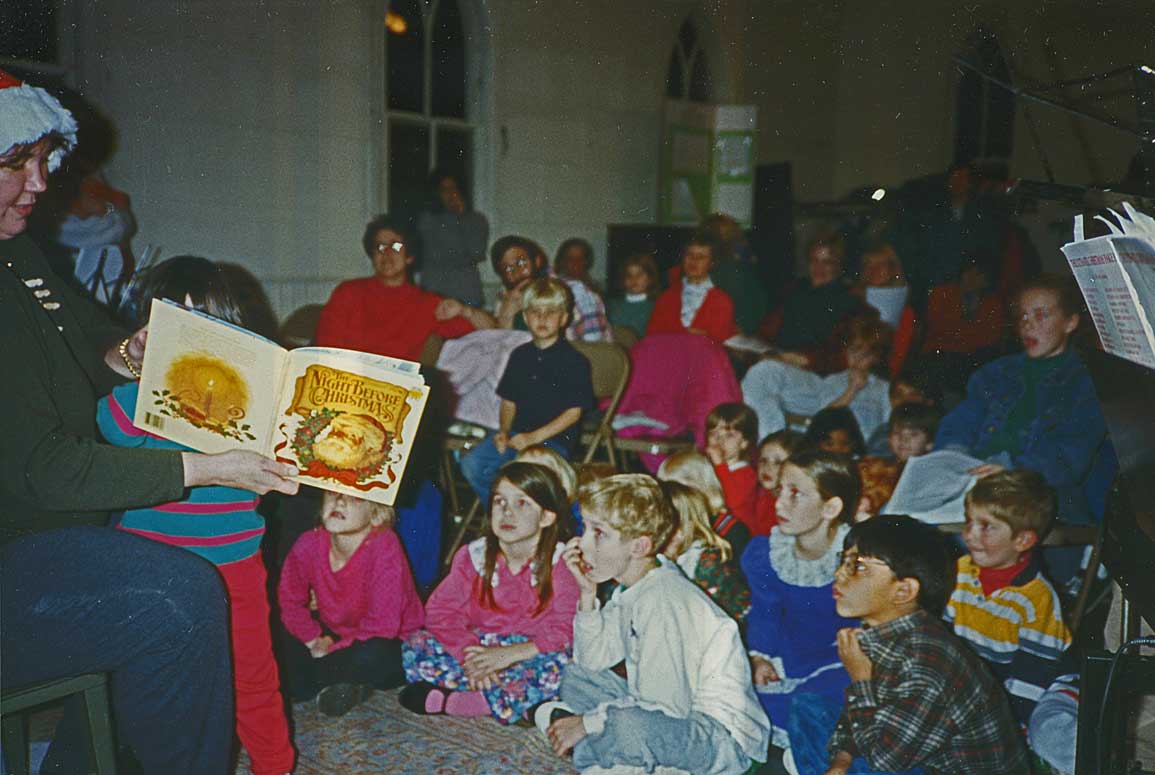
(675,83)
(455,156)
(404,57)
(448,61)
(28,30)
(968,120)
(408,168)
(700,90)
(688,37)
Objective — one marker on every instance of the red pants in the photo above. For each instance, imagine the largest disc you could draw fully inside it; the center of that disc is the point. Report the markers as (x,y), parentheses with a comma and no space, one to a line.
(261,723)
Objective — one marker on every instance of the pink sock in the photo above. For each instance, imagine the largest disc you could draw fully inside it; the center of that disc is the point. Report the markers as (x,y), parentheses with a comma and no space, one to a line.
(466,704)
(435,700)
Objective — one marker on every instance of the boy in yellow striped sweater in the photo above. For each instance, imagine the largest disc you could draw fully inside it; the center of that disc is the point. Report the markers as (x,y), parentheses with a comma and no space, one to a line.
(1002,605)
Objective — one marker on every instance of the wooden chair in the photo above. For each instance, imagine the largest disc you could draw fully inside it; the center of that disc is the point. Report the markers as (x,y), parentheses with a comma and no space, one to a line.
(15,703)
(610,373)
(300,327)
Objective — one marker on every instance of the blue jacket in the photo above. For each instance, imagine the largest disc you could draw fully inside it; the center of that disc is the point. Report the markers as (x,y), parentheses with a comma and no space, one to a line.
(1066,442)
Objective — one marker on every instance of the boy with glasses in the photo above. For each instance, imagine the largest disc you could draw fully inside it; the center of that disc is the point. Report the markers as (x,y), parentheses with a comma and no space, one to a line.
(918,697)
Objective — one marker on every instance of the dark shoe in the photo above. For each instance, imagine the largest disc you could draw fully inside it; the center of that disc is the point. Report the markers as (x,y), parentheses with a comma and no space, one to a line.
(413,698)
(339,699)
(545,713)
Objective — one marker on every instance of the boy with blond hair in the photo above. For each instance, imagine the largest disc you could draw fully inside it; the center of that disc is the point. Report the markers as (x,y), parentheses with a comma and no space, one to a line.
(688,701)
(544,390)
(1002,605)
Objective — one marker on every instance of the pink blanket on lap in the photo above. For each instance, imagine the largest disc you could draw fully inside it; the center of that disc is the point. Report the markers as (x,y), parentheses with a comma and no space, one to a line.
(677,379)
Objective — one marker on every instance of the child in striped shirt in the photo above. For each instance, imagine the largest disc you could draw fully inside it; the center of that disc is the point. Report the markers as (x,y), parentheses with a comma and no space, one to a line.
(219,523)
(1002,605)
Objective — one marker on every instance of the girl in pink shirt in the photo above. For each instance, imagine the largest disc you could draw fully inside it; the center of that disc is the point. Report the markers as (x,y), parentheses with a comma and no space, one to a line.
(347,599)
(500,626)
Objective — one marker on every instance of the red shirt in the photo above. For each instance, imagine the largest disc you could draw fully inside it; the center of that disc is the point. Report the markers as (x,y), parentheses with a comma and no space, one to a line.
(368,316)
(715,316)
(739,487)
(765,512)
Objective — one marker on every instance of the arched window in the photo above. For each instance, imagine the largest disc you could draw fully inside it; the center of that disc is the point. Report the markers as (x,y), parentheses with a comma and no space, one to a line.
(427,100)
(688,76)
(985,111)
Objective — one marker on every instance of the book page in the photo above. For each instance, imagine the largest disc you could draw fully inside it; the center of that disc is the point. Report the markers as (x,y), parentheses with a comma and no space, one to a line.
(1107,292)
(205,383)
(933,487)
(1137,258)
(348,420)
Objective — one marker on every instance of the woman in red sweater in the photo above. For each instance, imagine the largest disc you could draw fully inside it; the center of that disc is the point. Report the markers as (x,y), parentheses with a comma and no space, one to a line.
(693,305)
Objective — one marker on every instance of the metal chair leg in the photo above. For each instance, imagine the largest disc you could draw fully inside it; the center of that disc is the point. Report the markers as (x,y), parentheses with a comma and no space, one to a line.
(474,511)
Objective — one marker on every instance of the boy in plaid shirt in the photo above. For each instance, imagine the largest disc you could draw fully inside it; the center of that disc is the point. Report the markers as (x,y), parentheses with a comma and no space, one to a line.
(918,697)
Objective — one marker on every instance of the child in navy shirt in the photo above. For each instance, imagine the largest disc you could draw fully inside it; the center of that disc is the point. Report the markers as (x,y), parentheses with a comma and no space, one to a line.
(544,390)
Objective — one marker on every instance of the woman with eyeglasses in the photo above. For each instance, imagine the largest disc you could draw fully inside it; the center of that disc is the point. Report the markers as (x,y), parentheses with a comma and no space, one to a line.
(792,624)
(1038,409)
(386,313)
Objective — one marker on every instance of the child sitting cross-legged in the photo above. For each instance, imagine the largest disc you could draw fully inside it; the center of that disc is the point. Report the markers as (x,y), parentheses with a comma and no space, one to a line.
(347,599)
(499,627)
(918,696)
(544,390)
(687,703)
(1002,605)
(704,556)
(731,433)
(792,623)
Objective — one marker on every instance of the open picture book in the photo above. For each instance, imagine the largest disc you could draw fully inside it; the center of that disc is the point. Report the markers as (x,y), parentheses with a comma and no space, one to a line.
(347,419)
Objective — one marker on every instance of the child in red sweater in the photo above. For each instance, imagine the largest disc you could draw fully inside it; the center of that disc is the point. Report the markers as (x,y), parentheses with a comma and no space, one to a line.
(772,454)
(731,433)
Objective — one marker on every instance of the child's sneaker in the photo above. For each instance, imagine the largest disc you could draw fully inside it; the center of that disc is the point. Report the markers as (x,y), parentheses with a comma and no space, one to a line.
(339,699)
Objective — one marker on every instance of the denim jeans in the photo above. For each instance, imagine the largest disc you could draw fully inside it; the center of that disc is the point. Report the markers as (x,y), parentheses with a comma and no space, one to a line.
(481,465)
(812,721)
(92,600)
(640,737)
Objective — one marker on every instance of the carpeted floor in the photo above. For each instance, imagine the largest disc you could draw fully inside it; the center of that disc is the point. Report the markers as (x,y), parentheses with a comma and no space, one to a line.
(382,738)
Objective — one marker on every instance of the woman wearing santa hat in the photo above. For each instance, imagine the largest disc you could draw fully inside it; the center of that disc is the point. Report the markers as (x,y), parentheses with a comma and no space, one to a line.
(75,596)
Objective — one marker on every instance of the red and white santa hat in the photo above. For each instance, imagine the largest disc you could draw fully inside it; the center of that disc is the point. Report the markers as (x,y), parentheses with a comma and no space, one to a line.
(27,113)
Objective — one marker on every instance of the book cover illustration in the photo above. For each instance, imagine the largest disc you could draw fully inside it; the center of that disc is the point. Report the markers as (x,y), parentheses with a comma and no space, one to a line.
(349,432)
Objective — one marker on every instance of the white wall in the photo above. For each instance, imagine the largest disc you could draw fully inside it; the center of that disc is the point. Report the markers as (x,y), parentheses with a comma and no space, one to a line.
(252,132)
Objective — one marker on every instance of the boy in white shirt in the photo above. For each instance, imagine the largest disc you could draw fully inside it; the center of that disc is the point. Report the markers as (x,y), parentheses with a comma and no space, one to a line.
(688,700)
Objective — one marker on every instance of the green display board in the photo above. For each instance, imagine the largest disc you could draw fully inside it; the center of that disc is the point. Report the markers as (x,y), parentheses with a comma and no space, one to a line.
(707,162)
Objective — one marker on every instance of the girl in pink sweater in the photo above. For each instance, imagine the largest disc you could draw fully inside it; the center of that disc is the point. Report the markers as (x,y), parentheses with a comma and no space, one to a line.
(347,599)
(500,626)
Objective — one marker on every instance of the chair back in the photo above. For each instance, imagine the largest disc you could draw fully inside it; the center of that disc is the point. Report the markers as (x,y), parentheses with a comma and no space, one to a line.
(300,327)
(610,373)
(626,336)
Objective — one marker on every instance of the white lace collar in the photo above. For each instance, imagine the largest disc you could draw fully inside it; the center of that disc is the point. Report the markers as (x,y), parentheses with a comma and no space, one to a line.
(798,572)
(477,557)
